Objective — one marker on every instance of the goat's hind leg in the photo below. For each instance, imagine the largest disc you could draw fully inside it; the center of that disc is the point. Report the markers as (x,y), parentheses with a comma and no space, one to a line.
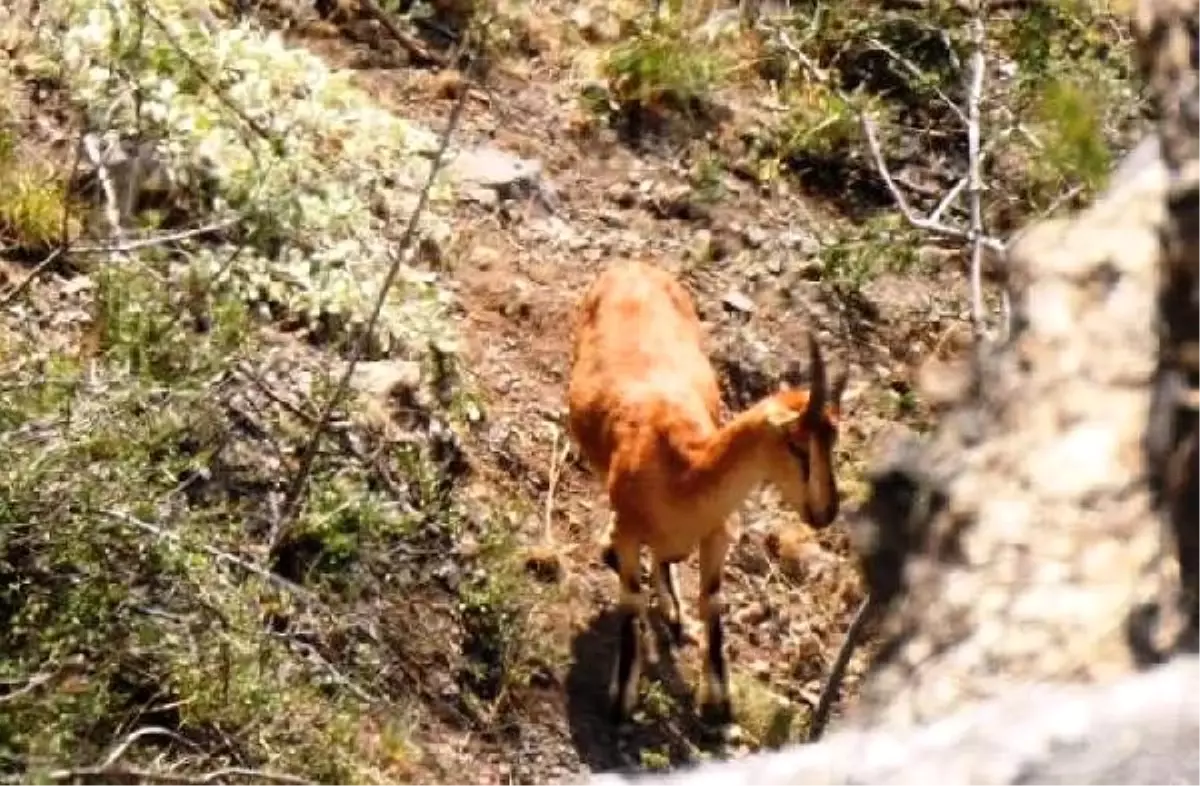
(715,704)
(623,690)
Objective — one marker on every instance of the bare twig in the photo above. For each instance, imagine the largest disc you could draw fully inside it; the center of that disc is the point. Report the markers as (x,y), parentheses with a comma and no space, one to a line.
(347,683)
(15,292)
(111,772)
(868,127)
(557,460)
(311,419)
(910,215)
(820,715)
(204,75)
(112,209)
(912,68)
(224,556)
(974,178)
(158,240)
(146,731)
(32,684)
(411,43)
(300,479)
(174,776)
(948,199)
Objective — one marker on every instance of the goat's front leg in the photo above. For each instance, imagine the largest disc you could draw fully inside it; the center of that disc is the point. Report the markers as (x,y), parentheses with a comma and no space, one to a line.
(715,705)
(624,687)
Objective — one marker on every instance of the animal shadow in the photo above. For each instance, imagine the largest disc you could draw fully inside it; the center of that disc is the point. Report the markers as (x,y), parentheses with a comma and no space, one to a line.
(665,729)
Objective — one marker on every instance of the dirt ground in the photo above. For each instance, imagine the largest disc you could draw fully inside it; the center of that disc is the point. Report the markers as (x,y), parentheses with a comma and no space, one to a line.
(791,591)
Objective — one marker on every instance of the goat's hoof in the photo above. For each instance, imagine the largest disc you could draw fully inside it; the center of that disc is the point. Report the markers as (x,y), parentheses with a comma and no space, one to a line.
(730,733)
(718,714)
(675,627)
(618,717)
(684,634)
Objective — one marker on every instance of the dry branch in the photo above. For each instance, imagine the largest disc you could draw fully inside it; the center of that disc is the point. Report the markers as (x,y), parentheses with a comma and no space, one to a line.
(222,556)
(973,181)
(1029,492)
(296,488)
(145,775)
(974,178)
(929,224)
(125,246)
(829,692)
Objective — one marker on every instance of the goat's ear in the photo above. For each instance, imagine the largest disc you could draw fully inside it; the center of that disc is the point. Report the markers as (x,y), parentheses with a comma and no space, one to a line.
(780,417)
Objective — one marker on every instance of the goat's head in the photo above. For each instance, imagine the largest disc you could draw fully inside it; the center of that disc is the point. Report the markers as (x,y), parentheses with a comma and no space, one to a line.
(805,422)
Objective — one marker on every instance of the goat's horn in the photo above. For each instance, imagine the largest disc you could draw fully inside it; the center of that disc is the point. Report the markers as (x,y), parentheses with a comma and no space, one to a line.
(819,390)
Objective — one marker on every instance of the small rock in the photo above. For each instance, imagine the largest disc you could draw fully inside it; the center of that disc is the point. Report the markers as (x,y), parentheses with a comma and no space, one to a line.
(544,563)
(482,196)
(753,613)
(754,236)
(385,377)
(702,246)
(468,546)
(761,670)
(596,25)
(622,195)
(943,383)
(798,554)
(509,176)
(484,257)
(448,83)
(735,300)
(812,270)
(804,242)
(677,202)
(76,285)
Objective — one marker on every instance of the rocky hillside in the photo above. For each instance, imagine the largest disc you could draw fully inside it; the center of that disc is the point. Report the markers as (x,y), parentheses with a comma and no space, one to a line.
(261,524)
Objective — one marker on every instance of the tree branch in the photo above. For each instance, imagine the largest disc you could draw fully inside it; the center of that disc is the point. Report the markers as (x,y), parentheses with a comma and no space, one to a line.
(974,179)
(928,224)
(291,502)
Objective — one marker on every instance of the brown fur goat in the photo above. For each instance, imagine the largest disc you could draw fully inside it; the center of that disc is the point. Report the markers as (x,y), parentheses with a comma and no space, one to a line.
(644,407)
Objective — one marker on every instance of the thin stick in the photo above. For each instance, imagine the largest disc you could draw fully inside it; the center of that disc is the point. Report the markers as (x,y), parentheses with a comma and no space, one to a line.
(820,716)
(32,684)
(547,530)
(300,479)
(224,556)
(912,68)
(974,180)
(918,222)
(112,210)
(37,271)
(157,240)
(168,777)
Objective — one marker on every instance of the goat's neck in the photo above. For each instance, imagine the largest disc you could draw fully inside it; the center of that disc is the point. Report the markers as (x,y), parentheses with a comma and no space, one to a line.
(730,463)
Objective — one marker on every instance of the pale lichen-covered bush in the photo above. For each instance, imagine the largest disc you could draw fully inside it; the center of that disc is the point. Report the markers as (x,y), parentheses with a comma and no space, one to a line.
(324,180)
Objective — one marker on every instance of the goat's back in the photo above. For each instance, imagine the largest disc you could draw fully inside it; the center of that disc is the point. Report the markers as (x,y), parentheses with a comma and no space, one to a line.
(639,364)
